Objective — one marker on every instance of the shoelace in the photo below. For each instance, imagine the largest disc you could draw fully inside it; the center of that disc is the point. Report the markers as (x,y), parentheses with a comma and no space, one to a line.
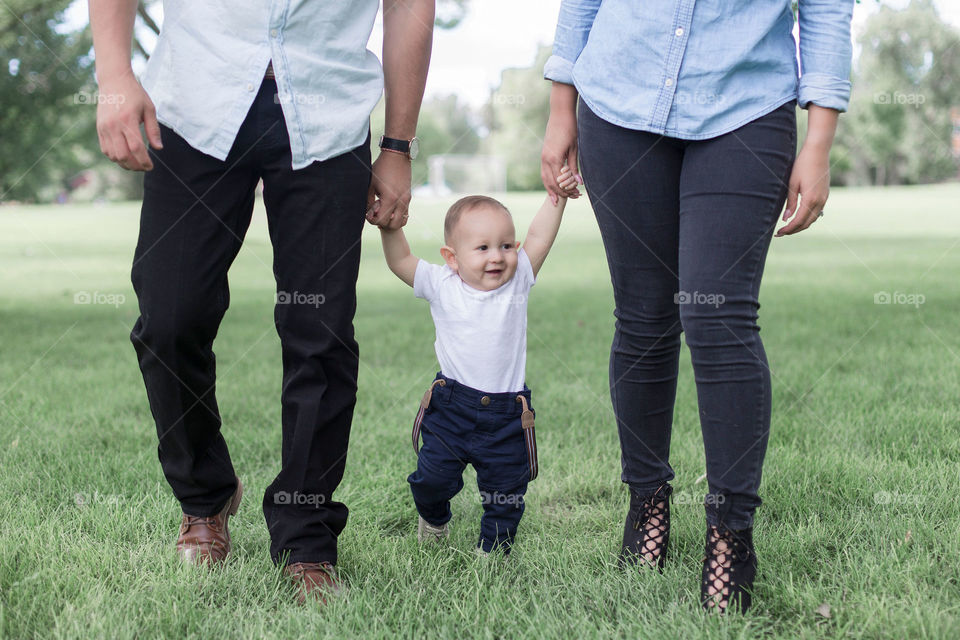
(300,569)
(210,521)
(654,507)
(723,563)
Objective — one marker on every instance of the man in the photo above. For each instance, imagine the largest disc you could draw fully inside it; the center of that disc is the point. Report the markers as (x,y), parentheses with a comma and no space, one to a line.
(280,92)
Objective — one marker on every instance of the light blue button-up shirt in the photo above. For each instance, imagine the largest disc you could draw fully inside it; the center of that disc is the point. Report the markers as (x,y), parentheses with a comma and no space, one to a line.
(211,57)
(695,69)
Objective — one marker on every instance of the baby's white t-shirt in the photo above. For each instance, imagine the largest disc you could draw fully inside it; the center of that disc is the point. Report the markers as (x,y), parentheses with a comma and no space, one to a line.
(481,335)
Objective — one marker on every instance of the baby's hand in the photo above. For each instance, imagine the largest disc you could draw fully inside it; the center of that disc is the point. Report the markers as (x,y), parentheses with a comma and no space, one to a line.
(568,183)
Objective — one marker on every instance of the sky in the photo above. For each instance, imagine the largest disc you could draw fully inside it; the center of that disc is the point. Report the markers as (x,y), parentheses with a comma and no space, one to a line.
(499,34)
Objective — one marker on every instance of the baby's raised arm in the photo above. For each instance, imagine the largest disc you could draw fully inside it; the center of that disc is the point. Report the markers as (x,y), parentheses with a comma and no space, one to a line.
(543,230)
(397,252)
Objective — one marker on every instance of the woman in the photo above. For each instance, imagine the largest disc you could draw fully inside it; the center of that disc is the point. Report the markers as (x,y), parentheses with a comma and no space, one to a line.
(686,132)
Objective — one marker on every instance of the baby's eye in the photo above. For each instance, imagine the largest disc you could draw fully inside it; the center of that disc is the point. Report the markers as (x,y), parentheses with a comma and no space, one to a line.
(482,247)
(507,246)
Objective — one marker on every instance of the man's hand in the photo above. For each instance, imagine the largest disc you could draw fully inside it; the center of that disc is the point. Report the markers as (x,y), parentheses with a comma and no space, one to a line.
(119,119)
(389,197)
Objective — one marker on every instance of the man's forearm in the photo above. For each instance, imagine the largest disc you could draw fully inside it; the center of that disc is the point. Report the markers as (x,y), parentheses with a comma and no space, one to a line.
(407,41)
(111,22)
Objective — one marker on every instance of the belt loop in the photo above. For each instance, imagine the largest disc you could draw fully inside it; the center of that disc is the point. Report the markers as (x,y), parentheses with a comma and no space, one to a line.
(424,405)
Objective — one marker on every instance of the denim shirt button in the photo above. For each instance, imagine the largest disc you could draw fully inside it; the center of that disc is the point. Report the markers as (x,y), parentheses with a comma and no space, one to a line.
(679,31)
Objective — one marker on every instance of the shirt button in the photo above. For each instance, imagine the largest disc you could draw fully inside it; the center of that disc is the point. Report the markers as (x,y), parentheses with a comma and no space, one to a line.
(249,87)
(668,82)
(273,33)
(679,31)
(485,401)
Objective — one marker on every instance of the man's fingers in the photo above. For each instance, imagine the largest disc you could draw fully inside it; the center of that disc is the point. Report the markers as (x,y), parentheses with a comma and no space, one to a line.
(383,217)
(139,159)
(371,202)
(120,152)
(152,127)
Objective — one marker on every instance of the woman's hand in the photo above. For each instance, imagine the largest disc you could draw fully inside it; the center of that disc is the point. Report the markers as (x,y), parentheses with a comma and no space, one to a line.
(810,184)
(810,179)
(560,143)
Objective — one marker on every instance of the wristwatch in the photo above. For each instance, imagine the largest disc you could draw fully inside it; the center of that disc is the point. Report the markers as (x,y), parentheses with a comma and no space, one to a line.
(409,148)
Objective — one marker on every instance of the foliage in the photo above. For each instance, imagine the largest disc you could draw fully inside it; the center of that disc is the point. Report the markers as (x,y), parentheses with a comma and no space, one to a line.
(516,116)
(48,115)
(898,127)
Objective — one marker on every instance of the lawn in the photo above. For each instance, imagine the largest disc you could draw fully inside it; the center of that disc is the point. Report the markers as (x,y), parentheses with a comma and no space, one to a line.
(860,483)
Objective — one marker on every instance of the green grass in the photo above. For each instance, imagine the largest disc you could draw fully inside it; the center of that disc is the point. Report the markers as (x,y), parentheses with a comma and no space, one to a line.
(860,484)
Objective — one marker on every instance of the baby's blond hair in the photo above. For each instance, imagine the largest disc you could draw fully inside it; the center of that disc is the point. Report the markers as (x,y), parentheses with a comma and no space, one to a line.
(461,206)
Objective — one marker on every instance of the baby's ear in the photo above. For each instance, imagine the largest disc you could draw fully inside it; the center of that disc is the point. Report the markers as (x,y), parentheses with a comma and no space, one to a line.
(449,257)
(518,245)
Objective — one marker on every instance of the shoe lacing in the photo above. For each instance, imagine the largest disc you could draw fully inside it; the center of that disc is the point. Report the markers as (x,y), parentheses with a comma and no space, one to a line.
(725,554)
(655,520)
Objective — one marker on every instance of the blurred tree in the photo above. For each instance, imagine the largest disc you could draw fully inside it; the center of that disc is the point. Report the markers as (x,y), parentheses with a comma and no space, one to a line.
(446,125)
(516,116)
(898,127)
(48,113)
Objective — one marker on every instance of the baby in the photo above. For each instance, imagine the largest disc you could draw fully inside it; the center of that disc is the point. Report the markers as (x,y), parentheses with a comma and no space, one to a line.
(478,409)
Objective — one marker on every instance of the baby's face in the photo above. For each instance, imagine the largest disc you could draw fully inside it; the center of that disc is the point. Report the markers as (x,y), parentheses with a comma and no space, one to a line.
(483,249)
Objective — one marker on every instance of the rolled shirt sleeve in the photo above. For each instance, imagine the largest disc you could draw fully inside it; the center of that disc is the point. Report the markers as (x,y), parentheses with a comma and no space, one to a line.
(573,29)
(825,53)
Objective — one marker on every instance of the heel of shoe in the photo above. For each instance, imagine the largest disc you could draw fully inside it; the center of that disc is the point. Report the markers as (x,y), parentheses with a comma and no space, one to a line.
(235,500)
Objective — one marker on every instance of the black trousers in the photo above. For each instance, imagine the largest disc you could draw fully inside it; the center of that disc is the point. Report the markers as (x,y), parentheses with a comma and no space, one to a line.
(196,210)
(686,226)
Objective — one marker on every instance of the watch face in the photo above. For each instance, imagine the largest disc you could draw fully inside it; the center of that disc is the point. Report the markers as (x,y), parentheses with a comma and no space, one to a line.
(414,149)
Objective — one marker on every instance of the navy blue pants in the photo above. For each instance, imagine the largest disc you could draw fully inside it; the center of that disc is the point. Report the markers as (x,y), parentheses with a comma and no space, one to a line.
(686,226)
(463,425)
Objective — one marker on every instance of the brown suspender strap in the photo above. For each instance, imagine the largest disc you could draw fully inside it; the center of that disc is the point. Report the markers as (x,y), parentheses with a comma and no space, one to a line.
(424,404)
(530,436)
(526,422)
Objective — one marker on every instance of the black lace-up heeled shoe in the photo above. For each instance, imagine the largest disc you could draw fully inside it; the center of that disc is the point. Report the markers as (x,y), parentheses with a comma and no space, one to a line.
(729,568)
(646,532)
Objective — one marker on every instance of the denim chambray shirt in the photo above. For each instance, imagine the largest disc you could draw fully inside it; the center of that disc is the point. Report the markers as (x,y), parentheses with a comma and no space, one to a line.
(211,57)
(695,69)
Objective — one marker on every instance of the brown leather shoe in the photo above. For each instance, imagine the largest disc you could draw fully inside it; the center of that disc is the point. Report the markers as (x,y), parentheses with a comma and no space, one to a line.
(316,580)
(207,540)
